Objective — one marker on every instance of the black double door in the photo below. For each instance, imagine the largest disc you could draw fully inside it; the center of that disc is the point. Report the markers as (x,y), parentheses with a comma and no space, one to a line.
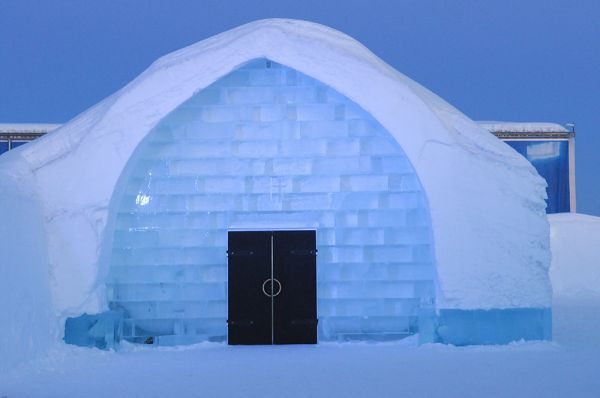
(272,287)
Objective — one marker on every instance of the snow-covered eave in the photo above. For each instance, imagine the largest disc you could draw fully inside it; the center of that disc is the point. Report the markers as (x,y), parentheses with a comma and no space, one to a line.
(27,128)
(522,127)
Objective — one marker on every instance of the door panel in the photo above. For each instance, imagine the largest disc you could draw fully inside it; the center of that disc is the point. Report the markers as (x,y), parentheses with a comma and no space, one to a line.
(272,287)
(295,307)
(249,266)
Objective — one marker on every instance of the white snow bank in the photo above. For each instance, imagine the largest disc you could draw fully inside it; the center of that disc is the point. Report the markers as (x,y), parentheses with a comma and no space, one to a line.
(575,243)
(27,324)
(522,127)
(486,201)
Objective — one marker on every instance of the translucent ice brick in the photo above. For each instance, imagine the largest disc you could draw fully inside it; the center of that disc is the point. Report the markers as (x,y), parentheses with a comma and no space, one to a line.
(323,128)
(309,202)
(343,147)
(267,77)
(257,149)
(221,184)
(292,166)
(342,165)
(390,254)
(317,184)
(249,95)
(316,112)
(305,147)
(360,236)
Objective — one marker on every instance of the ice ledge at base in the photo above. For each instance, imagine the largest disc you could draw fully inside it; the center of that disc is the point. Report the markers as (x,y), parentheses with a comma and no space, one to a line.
(103,330)
(451,326)
(485,327)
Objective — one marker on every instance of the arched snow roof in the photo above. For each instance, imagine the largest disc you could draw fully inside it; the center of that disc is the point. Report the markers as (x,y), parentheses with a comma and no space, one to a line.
(486,201)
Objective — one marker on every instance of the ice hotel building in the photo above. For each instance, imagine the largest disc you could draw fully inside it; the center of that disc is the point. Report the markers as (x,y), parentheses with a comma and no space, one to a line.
(278,183)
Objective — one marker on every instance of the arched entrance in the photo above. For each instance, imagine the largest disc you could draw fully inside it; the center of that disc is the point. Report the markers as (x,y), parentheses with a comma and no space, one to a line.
(266,145)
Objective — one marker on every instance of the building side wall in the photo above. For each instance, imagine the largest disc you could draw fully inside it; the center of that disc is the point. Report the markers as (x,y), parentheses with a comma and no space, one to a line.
(551,158)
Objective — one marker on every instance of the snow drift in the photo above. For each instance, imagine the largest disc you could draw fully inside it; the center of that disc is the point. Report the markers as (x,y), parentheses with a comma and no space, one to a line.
(28,323)
(575,242)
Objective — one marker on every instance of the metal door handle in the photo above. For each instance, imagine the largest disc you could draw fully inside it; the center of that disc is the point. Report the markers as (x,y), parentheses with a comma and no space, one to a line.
(265,284)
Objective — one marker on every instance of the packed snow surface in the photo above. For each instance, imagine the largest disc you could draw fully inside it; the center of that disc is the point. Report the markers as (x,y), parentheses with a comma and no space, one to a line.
(567,367)
(522,127)
(575,241)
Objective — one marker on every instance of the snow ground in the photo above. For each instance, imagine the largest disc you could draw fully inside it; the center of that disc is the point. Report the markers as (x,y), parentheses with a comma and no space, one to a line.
(575,243)
(566,367)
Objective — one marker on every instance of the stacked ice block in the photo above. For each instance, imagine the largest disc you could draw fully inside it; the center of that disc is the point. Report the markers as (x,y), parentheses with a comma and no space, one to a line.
(268,146)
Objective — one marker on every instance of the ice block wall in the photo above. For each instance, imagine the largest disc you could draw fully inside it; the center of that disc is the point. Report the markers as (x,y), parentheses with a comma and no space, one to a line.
(266,146)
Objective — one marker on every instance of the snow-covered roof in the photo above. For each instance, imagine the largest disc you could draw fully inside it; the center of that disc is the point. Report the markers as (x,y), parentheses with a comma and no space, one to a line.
(522,127)
(20,128)
(486,201)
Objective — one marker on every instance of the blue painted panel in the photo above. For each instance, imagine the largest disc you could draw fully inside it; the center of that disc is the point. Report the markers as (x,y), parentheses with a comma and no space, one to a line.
(551,160)
(496,326)
(16,144)
(3,147)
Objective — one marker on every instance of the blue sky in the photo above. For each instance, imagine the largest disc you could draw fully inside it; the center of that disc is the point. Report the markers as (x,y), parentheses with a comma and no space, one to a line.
(494,60)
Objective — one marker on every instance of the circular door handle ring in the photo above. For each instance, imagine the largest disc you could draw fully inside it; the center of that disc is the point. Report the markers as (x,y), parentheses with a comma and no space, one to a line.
(263,288)
(265,284)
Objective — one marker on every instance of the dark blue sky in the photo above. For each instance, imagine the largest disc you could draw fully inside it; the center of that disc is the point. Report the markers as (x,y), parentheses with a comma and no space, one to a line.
(494,60)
